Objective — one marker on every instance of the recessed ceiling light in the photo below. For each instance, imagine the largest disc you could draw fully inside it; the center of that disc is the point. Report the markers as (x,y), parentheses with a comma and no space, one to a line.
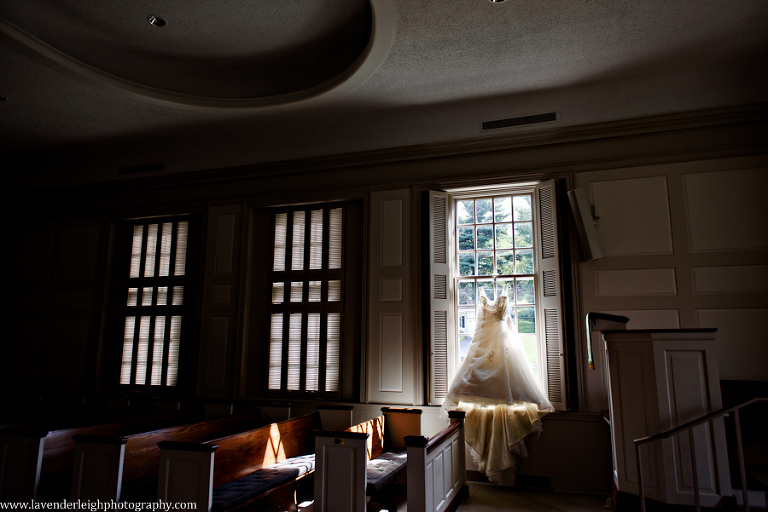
(156,21)
(497,1)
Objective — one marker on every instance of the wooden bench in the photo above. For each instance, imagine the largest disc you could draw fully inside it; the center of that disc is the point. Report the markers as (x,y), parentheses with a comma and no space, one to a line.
(36,462)
(437,476)
(110,467)
(361,463)
(252,468)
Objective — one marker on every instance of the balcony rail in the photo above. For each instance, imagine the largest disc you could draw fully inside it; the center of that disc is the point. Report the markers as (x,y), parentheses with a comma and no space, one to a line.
(689,427)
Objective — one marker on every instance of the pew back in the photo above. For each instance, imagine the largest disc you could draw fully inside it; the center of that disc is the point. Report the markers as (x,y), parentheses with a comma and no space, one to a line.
(241,454)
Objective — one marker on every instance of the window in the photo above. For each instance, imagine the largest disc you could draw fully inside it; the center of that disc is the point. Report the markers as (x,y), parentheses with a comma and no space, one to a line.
(307,301)
(156,302)
(494,243)
(491,239)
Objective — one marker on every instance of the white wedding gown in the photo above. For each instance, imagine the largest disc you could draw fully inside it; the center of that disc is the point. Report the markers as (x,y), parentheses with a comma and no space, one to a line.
(503,401)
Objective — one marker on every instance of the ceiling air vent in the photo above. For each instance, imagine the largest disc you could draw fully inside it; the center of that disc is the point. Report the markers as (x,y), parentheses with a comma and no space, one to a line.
(520,121)
(136,169)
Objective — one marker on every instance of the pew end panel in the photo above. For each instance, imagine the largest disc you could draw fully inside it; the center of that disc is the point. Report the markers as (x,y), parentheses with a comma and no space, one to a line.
(341,458)
(97,472)
(21,456)
(437,468)
(186,473)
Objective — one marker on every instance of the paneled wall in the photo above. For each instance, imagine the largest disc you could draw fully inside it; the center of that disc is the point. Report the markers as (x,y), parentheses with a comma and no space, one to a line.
(685,245)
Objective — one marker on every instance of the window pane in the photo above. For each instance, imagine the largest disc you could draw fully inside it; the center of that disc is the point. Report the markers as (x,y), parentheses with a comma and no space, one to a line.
(524,289)
(485,237)
(522,206)
(487,287)
(278,293)
(334,238)
(173,351)
(316,240)
(334,291)
(467,264)
(467,320)
(166,237)
(294,351)
(333,352)
(507,285)
(466,239)
(485,263)
(504,238)
(162,295)
(484,211)
(178,296)
(157,351)
(297,255)
(464,343)
(297,291)
(524,261)
(526,320)
(138,234)
(315,291)
(125,367)
(141,353)
(502,209)
(275,351)
(133,296)
(151,250)
(524,234)
(465,212)
(281,234)
(467,293)
(181,248)
(505,262)
(313,351)
(146,296)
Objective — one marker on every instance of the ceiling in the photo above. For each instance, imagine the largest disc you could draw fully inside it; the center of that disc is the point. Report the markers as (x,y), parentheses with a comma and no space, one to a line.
(92,87)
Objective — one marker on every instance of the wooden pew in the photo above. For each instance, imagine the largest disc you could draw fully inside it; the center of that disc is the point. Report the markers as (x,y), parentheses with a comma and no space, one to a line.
(249,468)
(437,476)
(36,463)
(109,467)
(360,464)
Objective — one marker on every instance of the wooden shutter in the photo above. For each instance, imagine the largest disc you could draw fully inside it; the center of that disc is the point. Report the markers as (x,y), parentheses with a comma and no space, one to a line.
(550,294)
(441,324)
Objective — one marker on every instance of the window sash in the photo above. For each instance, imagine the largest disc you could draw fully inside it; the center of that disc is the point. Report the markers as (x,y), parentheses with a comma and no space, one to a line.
(154,303)
(307,280)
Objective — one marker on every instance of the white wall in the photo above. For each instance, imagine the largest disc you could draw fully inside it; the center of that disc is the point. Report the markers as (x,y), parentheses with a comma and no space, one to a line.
(684,246)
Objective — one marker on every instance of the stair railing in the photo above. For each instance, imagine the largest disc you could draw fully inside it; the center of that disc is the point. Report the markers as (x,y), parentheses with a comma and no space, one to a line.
(689,427)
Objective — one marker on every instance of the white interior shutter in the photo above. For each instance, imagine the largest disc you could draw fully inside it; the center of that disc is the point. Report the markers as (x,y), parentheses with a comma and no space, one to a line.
(550,312)
(441,325)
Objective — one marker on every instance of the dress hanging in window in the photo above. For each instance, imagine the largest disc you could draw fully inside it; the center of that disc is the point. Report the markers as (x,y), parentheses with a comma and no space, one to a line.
(499,392)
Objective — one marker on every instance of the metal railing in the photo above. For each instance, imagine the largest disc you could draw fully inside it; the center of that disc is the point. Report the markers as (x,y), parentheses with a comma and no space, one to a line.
(689,427)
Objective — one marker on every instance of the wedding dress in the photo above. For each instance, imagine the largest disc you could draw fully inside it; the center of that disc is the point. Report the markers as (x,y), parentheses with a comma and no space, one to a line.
(496,387)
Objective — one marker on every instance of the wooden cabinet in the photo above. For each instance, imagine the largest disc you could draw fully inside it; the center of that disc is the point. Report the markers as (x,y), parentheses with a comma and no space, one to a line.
(659,379)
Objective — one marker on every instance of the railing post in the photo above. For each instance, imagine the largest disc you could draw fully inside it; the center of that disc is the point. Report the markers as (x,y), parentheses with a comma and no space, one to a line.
(742,466)
(639,477)
(695,471)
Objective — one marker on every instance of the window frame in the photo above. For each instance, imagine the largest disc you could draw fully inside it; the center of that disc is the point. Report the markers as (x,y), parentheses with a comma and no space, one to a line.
(349,308)
(186,368)
(551,314)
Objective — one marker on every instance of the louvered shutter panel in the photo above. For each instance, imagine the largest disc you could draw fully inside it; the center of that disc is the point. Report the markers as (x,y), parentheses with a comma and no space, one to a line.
(440,296)
(551,316)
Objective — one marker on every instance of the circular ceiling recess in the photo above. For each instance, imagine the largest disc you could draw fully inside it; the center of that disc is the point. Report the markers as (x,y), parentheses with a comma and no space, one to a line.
(223,54)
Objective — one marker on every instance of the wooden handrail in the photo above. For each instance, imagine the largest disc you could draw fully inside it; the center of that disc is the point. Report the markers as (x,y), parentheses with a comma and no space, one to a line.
(689,427)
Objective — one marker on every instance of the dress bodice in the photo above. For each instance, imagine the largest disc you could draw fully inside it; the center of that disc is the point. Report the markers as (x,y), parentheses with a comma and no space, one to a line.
(493,310)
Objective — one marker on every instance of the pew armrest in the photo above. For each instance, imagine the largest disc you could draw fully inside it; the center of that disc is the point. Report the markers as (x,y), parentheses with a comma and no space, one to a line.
(186,473)
(97,473)
(21,457)
(437,468)
(341,459)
